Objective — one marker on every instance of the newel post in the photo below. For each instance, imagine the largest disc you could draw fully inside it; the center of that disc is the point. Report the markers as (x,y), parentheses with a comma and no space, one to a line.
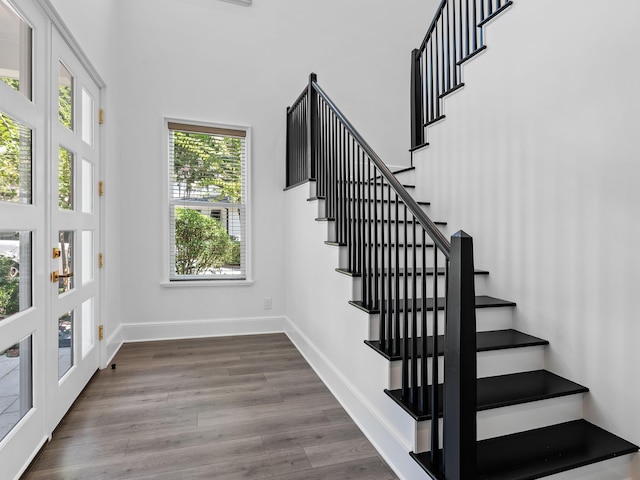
(312,126)
(460,387)
(288,166)
(417,101)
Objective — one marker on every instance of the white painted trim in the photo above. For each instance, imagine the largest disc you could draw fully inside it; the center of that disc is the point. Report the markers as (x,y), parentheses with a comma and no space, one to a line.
(175,330)
(66,34)
(207,283)
(248,202)
(384,436)
(32,457)
(113,344)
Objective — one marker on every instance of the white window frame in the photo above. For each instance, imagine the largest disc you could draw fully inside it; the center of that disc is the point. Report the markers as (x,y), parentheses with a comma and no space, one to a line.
(206,281)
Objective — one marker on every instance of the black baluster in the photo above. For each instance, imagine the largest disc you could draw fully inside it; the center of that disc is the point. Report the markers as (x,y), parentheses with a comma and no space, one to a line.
(389,278)
(435,408)
(414,317)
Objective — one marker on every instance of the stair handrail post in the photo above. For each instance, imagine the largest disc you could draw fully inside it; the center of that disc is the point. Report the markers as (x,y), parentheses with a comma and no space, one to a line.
(417,100)
(460,385)
(288,150)
(312,126)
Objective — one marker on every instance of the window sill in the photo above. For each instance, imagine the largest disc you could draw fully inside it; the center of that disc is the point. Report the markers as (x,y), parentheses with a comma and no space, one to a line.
(206,283)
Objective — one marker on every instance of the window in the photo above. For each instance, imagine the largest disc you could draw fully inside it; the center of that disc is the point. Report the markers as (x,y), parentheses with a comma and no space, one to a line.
(15,272)
(207,202)
(16,384)
(15,161)
(15,45)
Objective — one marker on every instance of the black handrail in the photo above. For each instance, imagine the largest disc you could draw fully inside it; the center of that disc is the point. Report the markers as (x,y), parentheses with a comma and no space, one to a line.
(431,228)
(386,234)
(454,36)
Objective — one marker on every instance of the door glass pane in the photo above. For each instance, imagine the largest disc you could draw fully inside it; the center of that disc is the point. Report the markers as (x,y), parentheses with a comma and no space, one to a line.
(65,179)
(65,97)
(65,343)
(87,256)
(16,386)
(87,117)
(87,326)
(15,272)
(15,45)
(65,264)
(15,161)
(87,186)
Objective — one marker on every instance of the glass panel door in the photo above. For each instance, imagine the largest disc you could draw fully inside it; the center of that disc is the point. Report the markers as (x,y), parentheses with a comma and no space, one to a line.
(23,235)
(74,285)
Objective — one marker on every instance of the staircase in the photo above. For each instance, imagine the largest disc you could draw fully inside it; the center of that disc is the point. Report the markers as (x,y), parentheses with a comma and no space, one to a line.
(526,422)
(480,403)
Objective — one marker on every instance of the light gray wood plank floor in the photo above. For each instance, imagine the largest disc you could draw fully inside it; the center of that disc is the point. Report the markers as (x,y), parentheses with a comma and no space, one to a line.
(226,408)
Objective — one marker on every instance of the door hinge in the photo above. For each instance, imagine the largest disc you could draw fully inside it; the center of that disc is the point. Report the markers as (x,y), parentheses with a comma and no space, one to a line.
(101,116)
(100,332)
(100,260)
(101,188)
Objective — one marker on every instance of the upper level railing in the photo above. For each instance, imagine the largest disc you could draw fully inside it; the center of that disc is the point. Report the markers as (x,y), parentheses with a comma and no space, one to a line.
(454,36)
(399,255)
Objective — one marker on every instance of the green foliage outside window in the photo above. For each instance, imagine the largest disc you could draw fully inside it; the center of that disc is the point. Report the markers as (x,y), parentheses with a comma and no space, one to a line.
(9,159)
(9,287)
(202,243)
(208,164)
(65,176)
(65,102)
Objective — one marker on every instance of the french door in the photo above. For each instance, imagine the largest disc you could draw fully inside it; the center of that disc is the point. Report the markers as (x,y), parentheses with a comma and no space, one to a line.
(74,229)
(49,230)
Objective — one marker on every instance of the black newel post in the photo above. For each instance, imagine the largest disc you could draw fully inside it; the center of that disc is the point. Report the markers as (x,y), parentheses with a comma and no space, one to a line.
(460,387)
(417,102)
(287,151)
(312,126)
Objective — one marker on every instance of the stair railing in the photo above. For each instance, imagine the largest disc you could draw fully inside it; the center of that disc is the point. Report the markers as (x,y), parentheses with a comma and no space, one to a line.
(454,36)
(394,248)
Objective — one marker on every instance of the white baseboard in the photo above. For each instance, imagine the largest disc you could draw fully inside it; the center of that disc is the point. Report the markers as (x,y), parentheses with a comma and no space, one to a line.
(384,437)
(150,331)
(114,342)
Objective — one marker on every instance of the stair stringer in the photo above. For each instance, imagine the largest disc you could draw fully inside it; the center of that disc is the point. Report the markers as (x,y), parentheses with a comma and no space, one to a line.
(329,333)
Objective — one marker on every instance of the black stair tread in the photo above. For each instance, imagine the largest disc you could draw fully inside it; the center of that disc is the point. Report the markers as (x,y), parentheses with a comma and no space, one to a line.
(400,271)
(393,220)
(400,245)
(485,341)
(371,200)
(482,301)
(404,169)
(502,391)
(402,221)
(544,451)
(393,245)
(377,181)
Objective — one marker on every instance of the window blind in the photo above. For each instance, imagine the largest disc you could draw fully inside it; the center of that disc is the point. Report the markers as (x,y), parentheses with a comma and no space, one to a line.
(207,209)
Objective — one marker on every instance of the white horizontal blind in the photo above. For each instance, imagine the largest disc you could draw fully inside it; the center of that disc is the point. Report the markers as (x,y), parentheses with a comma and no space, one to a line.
(207,203)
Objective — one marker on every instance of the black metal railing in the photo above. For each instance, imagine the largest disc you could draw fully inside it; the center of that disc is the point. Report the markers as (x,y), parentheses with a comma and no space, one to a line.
(454,36)
(399,255)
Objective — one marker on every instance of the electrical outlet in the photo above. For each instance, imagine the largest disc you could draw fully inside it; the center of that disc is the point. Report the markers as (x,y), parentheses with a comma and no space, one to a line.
(267,303)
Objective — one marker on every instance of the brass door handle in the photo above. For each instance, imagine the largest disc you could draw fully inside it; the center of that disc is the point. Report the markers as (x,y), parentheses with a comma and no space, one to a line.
(55,276)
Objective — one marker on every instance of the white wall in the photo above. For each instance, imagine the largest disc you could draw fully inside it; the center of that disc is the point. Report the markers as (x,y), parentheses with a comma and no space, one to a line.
(218,62)
(538,161)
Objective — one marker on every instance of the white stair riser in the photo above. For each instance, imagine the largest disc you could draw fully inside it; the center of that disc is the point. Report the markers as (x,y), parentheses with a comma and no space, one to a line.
(487,319)
(490,364)
(618,468)
(480,284)
(512,419)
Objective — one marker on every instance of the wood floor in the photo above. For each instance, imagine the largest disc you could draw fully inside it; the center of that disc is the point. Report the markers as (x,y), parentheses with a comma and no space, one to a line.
(225,408)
